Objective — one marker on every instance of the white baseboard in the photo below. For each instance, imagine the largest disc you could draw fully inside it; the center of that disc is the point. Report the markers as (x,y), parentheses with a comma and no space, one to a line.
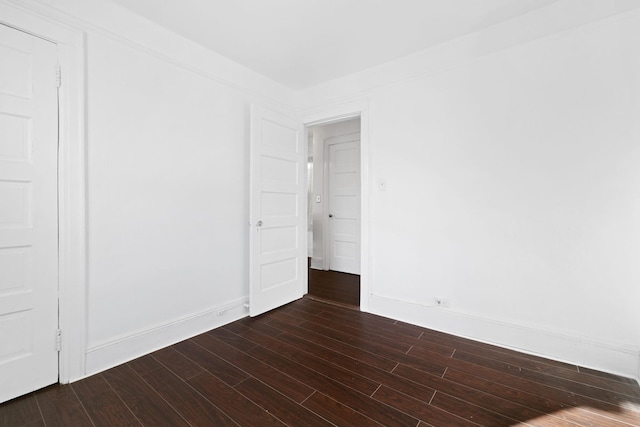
(615,358)
(112,353)
(317,263)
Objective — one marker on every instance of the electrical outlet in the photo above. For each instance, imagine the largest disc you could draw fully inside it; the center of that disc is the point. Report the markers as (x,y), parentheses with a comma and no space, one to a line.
(442,302)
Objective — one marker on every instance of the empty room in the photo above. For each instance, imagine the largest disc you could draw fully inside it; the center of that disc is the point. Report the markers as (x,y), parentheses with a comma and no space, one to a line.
(338,212)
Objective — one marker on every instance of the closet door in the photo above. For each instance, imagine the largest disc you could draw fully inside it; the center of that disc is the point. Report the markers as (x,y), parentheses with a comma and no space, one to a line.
(28,213)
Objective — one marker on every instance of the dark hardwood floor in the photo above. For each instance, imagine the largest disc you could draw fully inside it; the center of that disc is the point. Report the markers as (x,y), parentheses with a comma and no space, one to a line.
(334,286)
(315,364)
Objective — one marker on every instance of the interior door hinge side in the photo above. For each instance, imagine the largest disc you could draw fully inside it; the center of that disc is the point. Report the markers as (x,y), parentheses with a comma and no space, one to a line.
(58,75)
(58,339)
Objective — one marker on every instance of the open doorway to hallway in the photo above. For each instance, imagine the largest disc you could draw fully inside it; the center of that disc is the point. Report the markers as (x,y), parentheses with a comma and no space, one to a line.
(334,212)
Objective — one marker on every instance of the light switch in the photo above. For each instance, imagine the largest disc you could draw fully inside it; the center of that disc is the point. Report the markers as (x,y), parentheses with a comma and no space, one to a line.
(382,184)
(317,198)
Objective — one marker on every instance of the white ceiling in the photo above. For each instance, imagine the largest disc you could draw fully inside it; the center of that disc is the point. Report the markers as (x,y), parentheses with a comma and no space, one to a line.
(300,43)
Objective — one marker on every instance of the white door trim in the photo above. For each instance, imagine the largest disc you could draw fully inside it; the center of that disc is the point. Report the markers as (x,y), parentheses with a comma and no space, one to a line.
(71,183)
(340,112)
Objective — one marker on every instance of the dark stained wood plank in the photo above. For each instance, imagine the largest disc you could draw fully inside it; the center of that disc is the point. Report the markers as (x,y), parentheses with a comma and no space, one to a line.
(194,408)
(519,404)
(337,413)
(411,388)
(561,383)
(566,397)
(340,347)
(366,332)
(242,410)
(397,354)
(286,410)
(260,323)
(22,411)
(212,363)
(471,412)
(337,373)
(545,366)
(178,363)
(606,375)
(282,316)
(359,319)
(335,286)
(60,407)
(360,402)
(235,340)
(102,403)
(305,305)
(435,347)
(482,398)
(433,416)
(533,405)
(142,399)
(290,387)
(518,361)
(489,350)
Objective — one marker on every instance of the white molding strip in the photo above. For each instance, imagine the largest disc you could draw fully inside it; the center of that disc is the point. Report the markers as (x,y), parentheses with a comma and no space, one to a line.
(317,263)
(616,358)
(107,354)
(553,21)
(113,21)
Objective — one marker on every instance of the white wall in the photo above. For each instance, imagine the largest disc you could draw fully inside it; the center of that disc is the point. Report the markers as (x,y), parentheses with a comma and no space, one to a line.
(318,135)
(167,164)
(513,190)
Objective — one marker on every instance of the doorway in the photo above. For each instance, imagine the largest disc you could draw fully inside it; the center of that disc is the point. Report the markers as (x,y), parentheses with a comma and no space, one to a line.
(334,204)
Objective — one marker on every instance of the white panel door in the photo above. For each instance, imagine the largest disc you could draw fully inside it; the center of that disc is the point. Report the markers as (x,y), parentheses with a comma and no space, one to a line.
(28,213)
(344,203)
(278,259)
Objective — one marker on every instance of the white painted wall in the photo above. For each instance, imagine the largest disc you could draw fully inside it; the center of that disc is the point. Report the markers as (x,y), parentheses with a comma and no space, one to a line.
(167,163)
(167,192)
(318,135)
(513,188)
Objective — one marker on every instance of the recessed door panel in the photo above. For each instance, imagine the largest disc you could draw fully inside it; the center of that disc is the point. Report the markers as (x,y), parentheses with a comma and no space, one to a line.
(279,170)
(279,239)
(278,274)
(16,145)
(280,136)
(16,327)
(16,265)
(275,205)
(15,204)
(17,59)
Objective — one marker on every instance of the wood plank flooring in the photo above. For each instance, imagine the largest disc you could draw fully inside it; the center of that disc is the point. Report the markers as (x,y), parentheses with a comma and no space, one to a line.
(334,286)
(315,364)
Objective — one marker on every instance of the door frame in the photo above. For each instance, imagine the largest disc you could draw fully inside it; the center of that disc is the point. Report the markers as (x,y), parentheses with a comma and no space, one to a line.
(336,113)
(71,182)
